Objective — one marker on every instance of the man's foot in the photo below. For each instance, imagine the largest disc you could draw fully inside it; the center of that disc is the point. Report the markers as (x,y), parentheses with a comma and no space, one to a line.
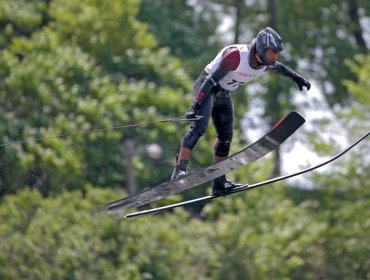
(221,186)
(180,170)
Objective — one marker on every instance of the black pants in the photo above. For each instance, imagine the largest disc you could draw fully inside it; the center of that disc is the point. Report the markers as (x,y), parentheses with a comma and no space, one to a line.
(217,104)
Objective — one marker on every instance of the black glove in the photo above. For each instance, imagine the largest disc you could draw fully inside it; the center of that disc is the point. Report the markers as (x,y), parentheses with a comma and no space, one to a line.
(193,112)
(301,82)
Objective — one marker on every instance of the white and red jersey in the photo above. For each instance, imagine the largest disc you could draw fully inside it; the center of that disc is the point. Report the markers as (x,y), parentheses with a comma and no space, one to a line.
(235,59)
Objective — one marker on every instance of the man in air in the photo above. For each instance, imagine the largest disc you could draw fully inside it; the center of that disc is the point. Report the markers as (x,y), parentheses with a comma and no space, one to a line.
(233,66)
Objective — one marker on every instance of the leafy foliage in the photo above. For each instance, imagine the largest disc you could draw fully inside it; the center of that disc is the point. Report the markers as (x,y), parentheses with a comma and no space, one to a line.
(57,88)
(68,66)
(192,34)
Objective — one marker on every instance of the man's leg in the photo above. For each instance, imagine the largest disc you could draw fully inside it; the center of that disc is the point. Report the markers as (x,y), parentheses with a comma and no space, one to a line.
(223,119)
(191,138)
(182,162)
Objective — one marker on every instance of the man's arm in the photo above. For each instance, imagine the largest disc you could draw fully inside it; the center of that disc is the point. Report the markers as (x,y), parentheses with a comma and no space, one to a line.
(287,72)
(229,62)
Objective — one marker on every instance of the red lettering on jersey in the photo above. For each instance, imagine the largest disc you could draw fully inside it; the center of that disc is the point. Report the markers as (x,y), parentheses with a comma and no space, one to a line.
(246,74)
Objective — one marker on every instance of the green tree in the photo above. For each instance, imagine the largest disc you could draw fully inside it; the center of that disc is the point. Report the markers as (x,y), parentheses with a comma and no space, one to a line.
(20,18)
(188,30)
(104,29)
(61,85)
(359,88)
(61,238)
(343,191)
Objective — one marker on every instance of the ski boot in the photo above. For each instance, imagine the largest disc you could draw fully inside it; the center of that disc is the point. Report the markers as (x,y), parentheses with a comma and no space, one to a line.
(221,186)
(180,170)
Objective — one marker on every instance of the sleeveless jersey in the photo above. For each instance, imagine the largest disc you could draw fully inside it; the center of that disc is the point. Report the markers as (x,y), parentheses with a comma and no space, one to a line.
(243,74)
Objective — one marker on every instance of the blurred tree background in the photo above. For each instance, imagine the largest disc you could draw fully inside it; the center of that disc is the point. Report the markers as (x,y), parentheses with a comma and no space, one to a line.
(68,66)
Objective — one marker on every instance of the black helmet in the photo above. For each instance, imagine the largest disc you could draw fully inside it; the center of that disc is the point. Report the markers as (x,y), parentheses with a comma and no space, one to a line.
(268,39)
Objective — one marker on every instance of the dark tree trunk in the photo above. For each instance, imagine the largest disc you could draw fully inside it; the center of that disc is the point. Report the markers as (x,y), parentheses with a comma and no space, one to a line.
(356,26)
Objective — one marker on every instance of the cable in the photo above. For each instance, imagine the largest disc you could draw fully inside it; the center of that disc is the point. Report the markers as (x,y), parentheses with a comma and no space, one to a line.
(177,119)
(273,180)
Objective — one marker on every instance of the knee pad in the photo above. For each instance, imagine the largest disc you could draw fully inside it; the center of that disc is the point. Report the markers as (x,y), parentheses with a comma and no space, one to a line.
(222,147)
(191,138)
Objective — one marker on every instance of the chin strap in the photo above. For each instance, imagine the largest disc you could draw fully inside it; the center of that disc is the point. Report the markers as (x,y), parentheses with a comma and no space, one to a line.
(253,62)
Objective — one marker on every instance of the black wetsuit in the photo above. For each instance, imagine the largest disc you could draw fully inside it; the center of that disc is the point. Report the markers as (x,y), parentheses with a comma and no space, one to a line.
(219,106)
(233,66)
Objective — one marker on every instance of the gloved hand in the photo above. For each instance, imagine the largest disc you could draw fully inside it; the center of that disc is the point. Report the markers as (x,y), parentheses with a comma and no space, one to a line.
(302,82)
(193,111)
